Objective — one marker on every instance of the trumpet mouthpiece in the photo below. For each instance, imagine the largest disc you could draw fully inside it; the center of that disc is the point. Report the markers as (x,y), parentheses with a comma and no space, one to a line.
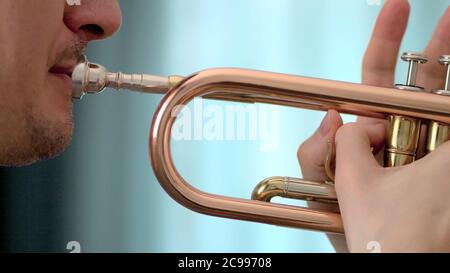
(88,78)
(91,78)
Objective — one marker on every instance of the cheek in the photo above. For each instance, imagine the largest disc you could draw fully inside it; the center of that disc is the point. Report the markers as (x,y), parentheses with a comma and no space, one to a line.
(32,26)
(28,35)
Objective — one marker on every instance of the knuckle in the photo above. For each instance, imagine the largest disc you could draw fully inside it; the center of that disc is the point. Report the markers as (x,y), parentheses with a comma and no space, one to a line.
(347,129)
(307,153)
(303,152)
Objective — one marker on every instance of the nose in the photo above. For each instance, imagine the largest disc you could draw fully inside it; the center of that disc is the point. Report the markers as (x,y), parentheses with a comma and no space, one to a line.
(93,19)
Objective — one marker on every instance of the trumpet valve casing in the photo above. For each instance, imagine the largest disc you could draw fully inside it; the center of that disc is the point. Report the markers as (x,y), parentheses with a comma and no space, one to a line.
(402,138)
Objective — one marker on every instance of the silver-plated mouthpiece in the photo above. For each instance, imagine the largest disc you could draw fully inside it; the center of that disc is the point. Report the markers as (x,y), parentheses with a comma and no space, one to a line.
(88,78)
(91,78)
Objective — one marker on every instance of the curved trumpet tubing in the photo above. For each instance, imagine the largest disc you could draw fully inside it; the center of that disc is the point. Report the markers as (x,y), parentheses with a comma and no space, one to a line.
(266,87)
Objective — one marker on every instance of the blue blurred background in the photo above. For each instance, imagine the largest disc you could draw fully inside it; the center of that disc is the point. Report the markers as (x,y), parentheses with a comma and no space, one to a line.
(102,191)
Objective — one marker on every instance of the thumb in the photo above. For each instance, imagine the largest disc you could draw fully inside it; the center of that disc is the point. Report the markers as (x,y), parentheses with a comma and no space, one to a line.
(311,154)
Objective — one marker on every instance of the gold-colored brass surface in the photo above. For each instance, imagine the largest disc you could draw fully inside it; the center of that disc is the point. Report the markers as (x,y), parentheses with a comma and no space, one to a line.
(295,188)
(329,161)
(438,133)
(402,140)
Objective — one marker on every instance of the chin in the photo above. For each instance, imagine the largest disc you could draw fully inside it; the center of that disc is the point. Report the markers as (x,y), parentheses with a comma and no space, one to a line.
(51,143)
(41,127)
(44,139)
(51,125)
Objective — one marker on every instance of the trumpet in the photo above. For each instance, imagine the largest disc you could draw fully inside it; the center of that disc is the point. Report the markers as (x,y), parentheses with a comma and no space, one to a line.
(407,107)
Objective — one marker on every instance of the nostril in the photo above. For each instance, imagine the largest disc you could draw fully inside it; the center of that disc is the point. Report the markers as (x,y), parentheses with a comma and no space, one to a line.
(93,30)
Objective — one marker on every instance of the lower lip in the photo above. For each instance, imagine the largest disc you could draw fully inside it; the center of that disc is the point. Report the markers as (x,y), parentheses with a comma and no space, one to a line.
(66,79)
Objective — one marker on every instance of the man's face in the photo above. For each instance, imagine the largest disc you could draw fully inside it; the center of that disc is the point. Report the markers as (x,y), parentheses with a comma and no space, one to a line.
(40,42)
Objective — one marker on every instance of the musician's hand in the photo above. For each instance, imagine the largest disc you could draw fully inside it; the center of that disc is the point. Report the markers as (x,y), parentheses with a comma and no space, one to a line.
(401,209)
(378,69)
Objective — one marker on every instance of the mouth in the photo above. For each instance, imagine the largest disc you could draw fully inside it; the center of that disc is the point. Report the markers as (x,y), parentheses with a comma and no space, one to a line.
(62,70)
(64,73)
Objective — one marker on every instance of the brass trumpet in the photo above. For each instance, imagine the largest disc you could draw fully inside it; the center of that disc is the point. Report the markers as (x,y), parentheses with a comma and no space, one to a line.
(407,108)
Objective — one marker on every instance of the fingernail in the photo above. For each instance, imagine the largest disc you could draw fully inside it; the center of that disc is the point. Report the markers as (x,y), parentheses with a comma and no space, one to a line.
(325,126)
